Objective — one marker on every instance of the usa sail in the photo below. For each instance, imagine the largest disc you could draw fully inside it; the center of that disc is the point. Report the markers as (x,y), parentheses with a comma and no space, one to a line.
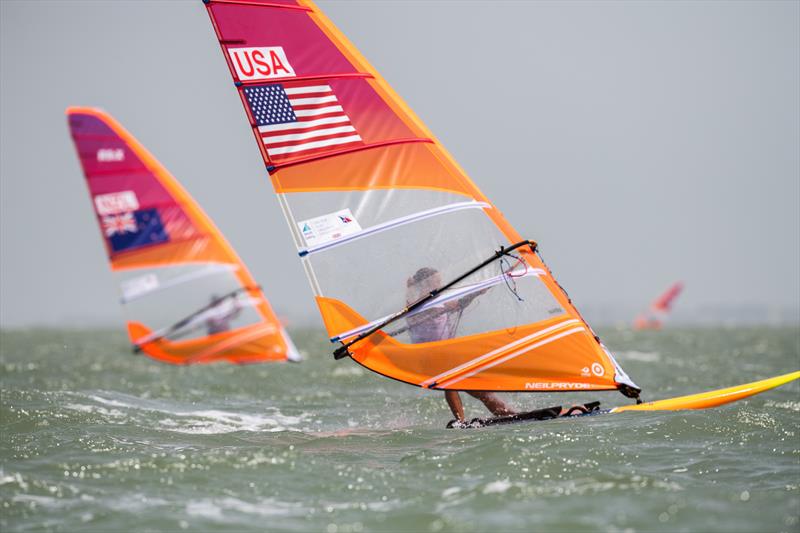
(189,296)
(658,311)
(416,273)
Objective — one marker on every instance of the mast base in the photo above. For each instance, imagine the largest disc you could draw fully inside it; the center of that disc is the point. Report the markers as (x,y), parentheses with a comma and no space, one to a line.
(630,392)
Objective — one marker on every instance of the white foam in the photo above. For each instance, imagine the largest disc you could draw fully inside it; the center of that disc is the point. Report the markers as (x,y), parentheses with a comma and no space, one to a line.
(114,413)
(208,422)
(497,487)
(216,509)
(199,421)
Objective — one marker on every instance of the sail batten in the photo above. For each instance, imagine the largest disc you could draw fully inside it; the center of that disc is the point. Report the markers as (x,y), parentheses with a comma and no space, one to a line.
(183,287)
(259,4)
(277,166)
(395,223)
(381,215)
(312,77)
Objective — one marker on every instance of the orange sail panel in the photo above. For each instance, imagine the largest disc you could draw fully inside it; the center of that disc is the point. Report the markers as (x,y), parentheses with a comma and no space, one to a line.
(385,221)
(658,311)
(189,296)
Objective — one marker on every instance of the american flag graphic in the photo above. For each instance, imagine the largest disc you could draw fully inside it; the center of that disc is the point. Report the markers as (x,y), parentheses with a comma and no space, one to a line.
(294,121)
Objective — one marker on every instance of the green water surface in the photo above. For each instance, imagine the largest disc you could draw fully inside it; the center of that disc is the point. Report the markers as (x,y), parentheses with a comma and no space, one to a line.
(93,438)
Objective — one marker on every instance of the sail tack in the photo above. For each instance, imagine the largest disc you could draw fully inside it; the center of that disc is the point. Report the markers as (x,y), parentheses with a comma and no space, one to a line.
(382,216)
(189,297)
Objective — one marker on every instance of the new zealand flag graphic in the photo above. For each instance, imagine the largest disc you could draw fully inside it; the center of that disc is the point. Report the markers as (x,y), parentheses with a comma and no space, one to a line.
(128,231)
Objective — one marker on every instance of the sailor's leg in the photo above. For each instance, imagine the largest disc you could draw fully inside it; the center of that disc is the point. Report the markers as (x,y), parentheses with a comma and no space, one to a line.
(454,401)
(493,403)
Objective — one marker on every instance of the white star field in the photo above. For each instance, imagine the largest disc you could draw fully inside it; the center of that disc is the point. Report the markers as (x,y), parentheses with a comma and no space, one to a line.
(269,105)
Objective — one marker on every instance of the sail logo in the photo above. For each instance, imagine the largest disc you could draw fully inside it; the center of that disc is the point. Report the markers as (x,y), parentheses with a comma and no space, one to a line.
(326,228)
(110,155)
(260,63)
(597,369)
(539,385)
(116,202)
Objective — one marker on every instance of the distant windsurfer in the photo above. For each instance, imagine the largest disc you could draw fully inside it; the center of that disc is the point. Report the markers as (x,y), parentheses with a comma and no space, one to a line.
(222,315)
(440,322)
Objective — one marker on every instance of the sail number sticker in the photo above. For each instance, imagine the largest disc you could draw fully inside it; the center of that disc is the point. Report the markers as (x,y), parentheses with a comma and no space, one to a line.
(116,202)
(110,155)
(328,228)
(260,63)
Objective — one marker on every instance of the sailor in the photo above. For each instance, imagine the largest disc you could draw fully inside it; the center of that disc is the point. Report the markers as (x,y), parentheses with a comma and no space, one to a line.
(220,319)
(439,322)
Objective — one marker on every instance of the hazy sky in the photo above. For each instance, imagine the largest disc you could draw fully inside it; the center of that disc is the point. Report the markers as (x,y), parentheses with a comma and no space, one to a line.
(637,142)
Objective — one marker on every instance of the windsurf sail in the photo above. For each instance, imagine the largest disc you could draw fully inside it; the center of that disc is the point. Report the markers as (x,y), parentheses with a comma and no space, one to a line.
(658,311)
(417,274)
(189,296)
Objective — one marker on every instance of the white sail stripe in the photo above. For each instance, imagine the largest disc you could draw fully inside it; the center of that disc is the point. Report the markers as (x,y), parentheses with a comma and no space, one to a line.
(439,300)
(210,270)
(400,221)
(313,144)
(310,89)
(499,350)
(301,125)
(524,350)
(310,101)
(320,111)
(307,135)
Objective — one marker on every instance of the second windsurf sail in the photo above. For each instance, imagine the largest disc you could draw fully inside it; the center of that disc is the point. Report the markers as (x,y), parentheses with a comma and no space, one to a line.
(189,297)
(658,311)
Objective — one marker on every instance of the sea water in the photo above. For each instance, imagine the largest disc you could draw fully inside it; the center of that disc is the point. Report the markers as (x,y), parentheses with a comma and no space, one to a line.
(93,438)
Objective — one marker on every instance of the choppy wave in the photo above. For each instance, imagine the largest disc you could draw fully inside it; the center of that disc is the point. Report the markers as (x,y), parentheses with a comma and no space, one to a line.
(182,419)
(98,440)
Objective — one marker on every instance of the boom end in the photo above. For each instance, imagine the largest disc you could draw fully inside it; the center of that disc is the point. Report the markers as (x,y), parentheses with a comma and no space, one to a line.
(341,352)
